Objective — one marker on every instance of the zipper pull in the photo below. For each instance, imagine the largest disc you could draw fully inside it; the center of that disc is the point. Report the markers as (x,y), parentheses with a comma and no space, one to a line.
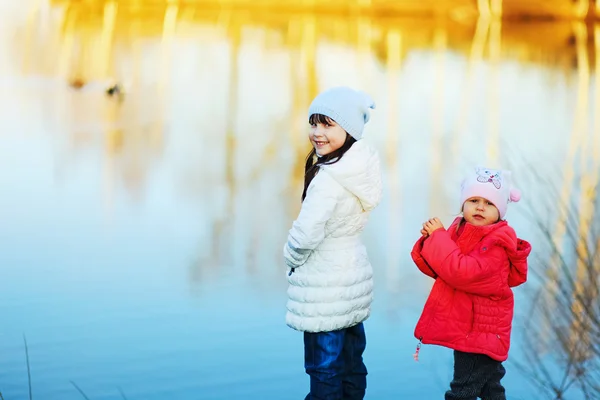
(291,271)
(416,355)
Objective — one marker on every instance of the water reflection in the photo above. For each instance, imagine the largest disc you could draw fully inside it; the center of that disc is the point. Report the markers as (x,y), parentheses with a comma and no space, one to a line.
(183,191)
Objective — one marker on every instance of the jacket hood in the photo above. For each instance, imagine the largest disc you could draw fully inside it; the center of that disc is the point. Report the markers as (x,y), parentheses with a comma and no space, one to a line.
(517,249)
(359,172)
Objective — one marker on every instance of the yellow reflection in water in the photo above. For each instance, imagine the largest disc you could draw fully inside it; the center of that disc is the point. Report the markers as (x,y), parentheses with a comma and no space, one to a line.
(486,8)
(110,41)
(147,47)
(91,30)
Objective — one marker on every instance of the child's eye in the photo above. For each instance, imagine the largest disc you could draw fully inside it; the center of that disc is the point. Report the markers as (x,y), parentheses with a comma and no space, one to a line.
(489,203)
(473,201)
(313,125)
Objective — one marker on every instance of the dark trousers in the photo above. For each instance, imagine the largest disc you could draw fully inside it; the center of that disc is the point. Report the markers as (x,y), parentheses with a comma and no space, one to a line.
(476,375)
(334,362)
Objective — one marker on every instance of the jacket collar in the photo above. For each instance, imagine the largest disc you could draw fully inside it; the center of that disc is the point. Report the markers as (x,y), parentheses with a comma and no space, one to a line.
(471,234)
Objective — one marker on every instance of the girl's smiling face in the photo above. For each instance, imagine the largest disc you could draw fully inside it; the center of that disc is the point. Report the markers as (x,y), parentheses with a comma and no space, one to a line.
(325,134)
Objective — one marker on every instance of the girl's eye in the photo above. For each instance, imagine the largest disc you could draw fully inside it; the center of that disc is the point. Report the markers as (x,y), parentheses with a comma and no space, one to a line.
(313,125)
(473,201)
(489,203)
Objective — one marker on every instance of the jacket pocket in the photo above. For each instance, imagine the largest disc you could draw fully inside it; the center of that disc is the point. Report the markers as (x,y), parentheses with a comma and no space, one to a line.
(463,312)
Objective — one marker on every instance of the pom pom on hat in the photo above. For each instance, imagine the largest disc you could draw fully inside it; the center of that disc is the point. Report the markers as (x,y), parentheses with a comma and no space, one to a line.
(515,195)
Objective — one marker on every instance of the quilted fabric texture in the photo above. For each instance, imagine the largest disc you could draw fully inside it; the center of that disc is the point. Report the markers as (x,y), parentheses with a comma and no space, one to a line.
(471,305)
(332,281)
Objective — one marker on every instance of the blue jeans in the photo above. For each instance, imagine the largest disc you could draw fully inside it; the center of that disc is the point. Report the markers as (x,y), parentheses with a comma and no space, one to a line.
(335,364)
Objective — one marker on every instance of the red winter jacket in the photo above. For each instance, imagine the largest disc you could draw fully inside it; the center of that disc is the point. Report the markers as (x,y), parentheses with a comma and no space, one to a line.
(470,307)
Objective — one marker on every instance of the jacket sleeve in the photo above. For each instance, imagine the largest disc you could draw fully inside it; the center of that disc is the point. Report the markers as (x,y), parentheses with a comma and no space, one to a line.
(518,269)
(419,260)
(476,275)
(517,279)
(308,230)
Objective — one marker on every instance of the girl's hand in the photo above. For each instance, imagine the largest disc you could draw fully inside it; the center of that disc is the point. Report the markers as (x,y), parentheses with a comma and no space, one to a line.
(424,232)
(432,225)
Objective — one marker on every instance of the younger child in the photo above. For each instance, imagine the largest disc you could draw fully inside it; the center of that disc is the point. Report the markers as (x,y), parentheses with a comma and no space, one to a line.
(475,263)
(329,273)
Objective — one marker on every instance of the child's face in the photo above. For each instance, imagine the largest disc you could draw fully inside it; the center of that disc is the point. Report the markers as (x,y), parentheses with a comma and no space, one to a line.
(479,211)
(327,138)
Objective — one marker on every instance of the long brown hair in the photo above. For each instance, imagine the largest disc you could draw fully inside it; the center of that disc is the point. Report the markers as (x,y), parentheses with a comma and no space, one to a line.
(313,162)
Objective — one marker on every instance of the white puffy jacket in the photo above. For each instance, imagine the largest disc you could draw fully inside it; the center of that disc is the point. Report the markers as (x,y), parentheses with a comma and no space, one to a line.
(331,280)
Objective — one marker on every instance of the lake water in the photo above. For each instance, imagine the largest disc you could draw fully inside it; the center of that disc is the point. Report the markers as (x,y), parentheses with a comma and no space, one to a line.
(140,240)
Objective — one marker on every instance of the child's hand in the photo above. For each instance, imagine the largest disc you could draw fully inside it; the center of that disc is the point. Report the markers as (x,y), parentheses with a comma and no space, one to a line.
(432,225)
(424,232)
